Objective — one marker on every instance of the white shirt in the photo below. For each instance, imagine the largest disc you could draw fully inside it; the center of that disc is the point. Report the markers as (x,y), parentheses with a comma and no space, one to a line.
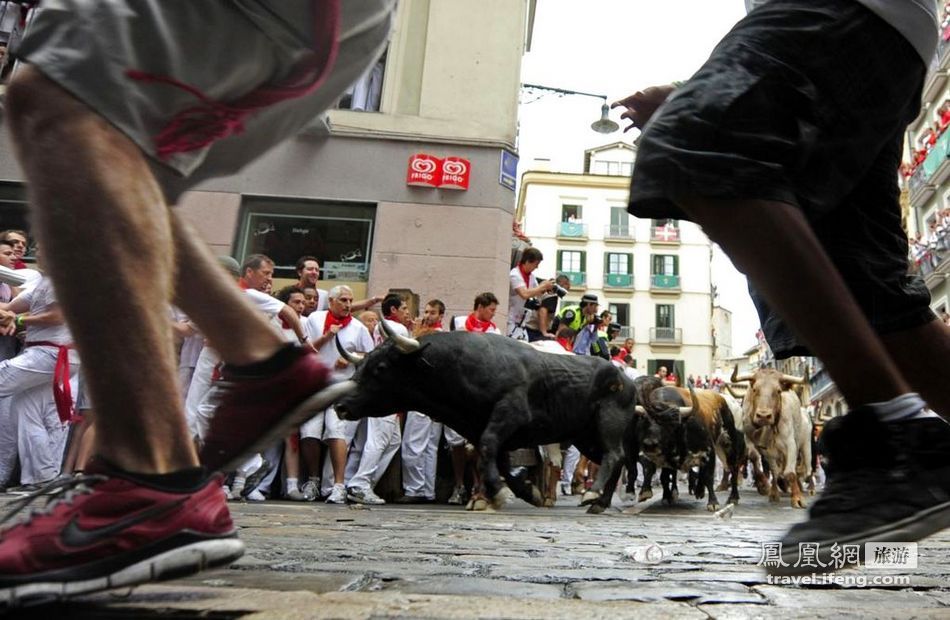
(354,338)
(515,302)
(41,298)
(270,306)
(190,345)
(380,336)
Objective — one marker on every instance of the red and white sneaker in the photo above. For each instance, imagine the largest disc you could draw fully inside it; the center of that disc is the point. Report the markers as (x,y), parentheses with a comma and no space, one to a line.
(255,411)
(103,531)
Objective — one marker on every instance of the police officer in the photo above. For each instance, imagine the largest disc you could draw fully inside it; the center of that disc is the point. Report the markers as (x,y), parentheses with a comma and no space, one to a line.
(583,319)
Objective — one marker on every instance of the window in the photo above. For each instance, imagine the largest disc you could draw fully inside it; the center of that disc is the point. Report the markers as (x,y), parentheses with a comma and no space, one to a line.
(619,222)
(573,261)
(570,213)
(615,168)
(338,234)
(666,265)
(665,316)
(618,263)
(621,313)
(365,93)
(666,222)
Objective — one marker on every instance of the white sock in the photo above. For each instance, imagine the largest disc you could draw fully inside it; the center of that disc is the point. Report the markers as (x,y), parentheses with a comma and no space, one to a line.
(291,484)
(903,408)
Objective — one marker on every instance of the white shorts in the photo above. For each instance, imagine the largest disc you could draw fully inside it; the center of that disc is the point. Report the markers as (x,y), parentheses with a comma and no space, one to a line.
(328,425)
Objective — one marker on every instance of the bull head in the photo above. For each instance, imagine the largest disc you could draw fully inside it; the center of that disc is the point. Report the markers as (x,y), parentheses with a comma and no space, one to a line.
(736,378)
(792,380)
(404,344)
(354,358)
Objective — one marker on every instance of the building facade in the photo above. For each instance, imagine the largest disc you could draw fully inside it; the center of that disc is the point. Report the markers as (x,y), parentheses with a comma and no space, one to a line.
(445,93)
(654,276)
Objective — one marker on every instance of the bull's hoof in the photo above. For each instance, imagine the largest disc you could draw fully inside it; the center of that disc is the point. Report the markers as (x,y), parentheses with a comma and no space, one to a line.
(723,486)
(773,497)
(700,493)
(712,507)
(589,497)
(811,488)
(549,502)
(734,498)
(762,489)
(798,502)
(645,494)
(478,503)
(504,496)
(595,509)
(675,495)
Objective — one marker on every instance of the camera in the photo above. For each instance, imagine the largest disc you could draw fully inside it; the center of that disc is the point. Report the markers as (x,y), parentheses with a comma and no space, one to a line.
(558,290)
(532,304)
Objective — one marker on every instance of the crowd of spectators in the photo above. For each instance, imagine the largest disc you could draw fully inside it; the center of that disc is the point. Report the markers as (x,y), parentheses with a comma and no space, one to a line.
(930,247)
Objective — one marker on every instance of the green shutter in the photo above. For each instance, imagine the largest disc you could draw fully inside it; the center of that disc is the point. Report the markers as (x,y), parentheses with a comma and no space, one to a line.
(560,261)
(583,262)
(676,265)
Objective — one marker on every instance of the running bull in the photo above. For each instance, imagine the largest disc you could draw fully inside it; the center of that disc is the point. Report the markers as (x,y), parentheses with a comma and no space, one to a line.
(501,394)
(692,438)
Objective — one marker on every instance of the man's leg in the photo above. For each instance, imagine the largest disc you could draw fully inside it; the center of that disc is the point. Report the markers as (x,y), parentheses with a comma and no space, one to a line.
(920,353)
(777,249)
(89,181)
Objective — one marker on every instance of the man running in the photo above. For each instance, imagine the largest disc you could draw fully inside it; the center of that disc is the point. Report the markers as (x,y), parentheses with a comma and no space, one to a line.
(123,106)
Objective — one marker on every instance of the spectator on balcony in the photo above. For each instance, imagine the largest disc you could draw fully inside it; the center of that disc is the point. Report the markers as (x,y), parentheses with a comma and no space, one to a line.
(523,285)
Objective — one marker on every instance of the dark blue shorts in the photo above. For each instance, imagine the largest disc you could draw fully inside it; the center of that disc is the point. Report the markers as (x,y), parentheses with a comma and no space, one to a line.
(802,103)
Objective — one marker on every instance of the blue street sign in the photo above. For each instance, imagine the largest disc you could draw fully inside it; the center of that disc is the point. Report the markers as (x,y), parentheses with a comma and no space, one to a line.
(508,172)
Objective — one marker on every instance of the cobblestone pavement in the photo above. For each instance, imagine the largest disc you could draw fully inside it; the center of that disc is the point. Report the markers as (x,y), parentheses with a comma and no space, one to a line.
(315,560)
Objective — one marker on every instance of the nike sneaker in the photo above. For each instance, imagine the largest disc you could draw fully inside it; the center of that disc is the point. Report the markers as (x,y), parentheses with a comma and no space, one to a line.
(102,530)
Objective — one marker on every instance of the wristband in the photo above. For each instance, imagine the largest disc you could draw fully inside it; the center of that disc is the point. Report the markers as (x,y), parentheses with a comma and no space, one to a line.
(19,320)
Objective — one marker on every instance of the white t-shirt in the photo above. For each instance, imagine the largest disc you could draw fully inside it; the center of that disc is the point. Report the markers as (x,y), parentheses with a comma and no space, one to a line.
(270,306)
(515,302)
(354,338)
(380,336)
(190,346)
(41,298)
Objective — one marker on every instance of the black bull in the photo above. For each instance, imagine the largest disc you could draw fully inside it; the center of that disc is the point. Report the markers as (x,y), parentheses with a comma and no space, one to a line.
(501,395)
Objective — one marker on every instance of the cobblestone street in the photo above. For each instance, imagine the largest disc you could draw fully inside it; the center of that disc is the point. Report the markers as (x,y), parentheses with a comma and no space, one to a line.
(315,560)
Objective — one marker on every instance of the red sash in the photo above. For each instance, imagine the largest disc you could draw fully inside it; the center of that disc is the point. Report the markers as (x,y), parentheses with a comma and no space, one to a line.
(62,392)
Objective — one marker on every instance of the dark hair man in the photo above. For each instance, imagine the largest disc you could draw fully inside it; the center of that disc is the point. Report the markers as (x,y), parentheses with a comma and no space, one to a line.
(523,285)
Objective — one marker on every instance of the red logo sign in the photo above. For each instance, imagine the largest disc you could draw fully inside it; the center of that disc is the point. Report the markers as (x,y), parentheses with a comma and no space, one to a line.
(424,170)
(428,171)
(455,173)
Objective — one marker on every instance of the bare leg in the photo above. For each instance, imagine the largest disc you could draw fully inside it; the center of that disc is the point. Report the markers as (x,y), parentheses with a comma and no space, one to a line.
(773,244)
(310,451)
(292,457)
(459,460)
(88,181)
(86,446)
(338,450)
(920,353)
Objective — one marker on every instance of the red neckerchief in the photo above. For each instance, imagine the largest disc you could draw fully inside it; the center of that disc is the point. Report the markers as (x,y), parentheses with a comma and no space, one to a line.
(243,284)
(331,320)
(564,342)
(437,326)
(524,274)
(19,264)
(473,324)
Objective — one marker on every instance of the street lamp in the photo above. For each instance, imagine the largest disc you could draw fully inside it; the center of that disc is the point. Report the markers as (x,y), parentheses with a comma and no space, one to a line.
(603,125)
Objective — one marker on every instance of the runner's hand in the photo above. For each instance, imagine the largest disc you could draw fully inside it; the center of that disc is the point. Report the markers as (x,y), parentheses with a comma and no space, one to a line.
(642,104)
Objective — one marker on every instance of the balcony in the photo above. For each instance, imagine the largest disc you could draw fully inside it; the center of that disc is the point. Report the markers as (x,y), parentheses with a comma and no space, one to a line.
(572,231)
(618,280)
(920,189)
(666,235)
(665,284)
(578,278)
(935,84)
(618,234)
(666,336)
(626,331)
(936,166)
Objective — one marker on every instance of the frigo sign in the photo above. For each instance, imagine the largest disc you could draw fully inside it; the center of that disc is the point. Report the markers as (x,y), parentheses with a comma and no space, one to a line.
(446,173)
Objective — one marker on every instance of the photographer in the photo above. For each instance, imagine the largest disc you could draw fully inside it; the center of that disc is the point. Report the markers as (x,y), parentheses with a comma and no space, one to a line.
(539,323)
(523,286)
(584,320)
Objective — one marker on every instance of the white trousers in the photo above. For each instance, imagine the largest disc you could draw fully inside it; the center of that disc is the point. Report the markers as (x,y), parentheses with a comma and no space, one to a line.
(572,457)
(348,430)
(374,446)
(33,368)
(41,437)
(198,416)
(420,447)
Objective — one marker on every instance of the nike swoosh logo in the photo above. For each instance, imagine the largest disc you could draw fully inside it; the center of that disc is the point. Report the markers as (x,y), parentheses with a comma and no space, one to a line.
(75,536)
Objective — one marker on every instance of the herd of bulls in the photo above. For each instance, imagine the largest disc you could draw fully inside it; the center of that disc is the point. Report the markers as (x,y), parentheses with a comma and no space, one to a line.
(502,394)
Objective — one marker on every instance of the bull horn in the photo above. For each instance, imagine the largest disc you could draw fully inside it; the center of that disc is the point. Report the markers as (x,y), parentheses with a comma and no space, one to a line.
(354,358)
(639,409)
(404,344)
(793,379)
(732,393)
(694,408)
(736,378)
